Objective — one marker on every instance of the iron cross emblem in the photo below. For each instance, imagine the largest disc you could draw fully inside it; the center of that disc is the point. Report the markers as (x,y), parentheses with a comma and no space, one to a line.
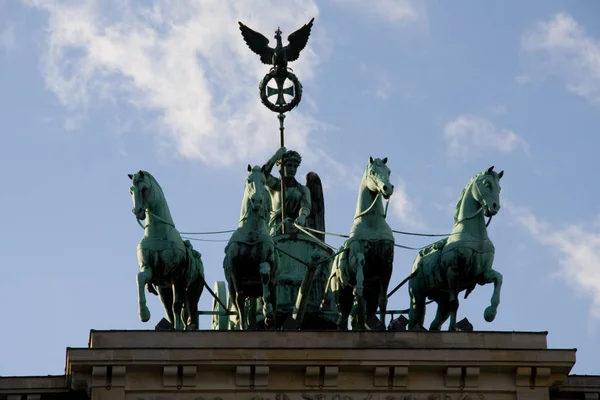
(280,91)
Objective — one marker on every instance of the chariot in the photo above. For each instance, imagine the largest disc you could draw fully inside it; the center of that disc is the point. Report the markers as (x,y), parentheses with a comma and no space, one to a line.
(296,276)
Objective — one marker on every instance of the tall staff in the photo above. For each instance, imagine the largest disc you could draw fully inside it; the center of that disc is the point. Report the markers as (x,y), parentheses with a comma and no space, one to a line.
(279,58)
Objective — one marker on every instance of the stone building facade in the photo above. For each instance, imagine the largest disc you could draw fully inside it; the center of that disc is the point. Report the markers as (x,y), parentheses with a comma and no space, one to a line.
(301,365)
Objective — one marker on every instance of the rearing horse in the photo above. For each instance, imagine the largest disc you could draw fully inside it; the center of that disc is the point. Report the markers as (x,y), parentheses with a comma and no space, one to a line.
(362,272)
(250,253)
(445,268)
(165,260)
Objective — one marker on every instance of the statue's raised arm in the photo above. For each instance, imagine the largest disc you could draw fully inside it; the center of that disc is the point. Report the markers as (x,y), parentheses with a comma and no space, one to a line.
(297,196)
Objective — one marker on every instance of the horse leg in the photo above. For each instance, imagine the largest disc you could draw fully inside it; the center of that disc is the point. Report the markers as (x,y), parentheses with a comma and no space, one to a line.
(143,277)
(240,300)
(442,314)
(383,288)
(252,322)
(178,297)
(233,299)
(191,304)
(490,276)
(452,279)
(416,315)
(265,275)
(359,291)
(345,302)
(165,295)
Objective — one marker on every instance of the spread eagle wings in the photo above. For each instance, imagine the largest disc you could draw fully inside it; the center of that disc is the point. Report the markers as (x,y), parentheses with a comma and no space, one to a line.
(316,218)
(259,44)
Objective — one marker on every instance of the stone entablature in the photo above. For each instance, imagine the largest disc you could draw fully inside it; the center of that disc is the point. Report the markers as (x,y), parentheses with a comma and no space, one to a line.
(300,365)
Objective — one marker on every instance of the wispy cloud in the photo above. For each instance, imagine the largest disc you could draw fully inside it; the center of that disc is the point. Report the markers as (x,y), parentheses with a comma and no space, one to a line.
(186,62)
(379,82)
(569,53)
(498,109)
(7,36)
(578,246)
(403,208)
(404,11)
(522,79)
(467,132)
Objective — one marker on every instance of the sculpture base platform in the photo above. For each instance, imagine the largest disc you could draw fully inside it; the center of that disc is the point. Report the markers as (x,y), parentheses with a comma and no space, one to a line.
(279,365)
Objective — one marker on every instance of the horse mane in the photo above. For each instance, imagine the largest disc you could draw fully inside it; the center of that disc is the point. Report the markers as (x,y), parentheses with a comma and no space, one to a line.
(154,182)
(464,192)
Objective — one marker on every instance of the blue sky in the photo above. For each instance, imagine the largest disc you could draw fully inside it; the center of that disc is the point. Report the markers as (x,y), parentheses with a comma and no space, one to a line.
(91,91)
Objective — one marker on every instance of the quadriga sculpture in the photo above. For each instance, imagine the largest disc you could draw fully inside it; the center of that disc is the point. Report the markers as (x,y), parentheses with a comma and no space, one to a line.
(447,267)
(362,272)
(167,264)
(249,262)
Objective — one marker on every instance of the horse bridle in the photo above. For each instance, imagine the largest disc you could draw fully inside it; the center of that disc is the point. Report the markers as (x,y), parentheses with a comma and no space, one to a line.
(151,213)
(482,205)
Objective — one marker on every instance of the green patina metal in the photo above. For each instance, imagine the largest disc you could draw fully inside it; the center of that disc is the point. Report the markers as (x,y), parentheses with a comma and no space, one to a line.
(447,267)
(362,272)
(250,253)
(169,266)
(279,271)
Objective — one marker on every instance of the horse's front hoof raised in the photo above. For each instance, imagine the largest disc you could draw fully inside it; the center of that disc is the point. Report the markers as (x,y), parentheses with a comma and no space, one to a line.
(490,313)
(144,314)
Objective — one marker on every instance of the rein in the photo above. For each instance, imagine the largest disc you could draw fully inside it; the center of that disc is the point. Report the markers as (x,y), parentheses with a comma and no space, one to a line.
(373,205)
(155,216)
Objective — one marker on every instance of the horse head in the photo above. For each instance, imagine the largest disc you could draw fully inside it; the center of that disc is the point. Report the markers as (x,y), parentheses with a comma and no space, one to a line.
(378,177)
(255,188)
(141,188)
(486,191)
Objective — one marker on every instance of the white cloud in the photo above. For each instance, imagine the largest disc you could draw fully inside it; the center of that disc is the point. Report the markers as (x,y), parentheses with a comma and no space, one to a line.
(468,132)
(569,53)
(403,208)
(578,247)
(184,61)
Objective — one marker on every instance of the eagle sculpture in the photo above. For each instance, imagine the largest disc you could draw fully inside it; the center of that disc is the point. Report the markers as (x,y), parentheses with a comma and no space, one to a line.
(278,56)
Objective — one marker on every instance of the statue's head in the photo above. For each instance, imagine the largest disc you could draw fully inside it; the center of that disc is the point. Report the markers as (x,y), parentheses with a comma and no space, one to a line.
(291,160)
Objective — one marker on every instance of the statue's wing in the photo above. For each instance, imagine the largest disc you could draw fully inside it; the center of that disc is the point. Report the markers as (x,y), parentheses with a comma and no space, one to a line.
(258,43)
(297,41)
(316,219)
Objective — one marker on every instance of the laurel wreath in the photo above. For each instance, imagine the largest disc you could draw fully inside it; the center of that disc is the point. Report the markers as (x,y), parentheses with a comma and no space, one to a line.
(275,107)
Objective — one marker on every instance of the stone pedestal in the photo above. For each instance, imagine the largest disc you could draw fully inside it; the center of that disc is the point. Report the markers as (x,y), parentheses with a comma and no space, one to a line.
(317,365)
(301,365)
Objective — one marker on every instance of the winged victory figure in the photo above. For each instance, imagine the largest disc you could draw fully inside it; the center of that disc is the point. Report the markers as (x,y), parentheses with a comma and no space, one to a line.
(278,56)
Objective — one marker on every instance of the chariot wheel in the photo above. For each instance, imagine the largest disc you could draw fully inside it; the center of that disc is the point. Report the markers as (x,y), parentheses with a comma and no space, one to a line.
(221,318)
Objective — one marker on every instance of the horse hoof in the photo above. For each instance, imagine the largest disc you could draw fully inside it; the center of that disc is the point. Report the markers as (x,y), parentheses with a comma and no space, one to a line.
(417,328)
(144,314)
(490,313)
